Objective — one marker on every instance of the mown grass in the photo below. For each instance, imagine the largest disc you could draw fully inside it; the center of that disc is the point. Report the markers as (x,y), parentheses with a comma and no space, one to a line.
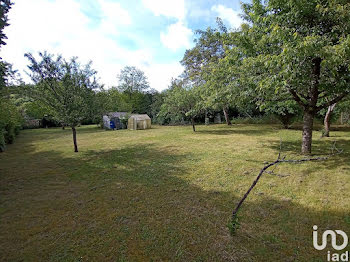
(166,194)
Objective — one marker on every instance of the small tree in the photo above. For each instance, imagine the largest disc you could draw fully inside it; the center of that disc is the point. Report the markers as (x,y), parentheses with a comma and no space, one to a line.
(65,87)
(182,100)
(202,67)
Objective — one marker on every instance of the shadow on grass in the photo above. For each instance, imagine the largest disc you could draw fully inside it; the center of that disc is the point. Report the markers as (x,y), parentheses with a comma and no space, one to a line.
(135,204)
(318,127)
(236,130)
(321,147)
(58,132)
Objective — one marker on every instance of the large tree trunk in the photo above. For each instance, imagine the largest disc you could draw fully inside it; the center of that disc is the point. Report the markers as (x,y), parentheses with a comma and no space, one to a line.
(227,117)
(327,120)
(310,109)
(75,139)
(193,126)
(308,123)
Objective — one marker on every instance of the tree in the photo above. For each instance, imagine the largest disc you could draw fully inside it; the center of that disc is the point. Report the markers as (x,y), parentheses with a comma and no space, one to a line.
(5,6)
(10,122)
(115,100)
(343,109)
(132,79)
(282,105)
(157,102)
(327,120)
(182,100)
(65,87)
(133,93)
(201,66)
(6,71)
(10,118)
(302,47)
(5,68)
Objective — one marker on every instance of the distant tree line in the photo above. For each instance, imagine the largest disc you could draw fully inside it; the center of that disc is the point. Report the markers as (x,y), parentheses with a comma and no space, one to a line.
(289,59)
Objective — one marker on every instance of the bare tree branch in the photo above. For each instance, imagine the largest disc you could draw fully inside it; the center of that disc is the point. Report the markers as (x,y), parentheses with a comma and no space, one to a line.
(333,101)
(334,151)
(297,98)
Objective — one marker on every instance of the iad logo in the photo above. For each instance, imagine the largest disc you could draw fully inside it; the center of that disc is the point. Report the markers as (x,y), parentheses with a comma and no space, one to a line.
(333,239)
(333,236)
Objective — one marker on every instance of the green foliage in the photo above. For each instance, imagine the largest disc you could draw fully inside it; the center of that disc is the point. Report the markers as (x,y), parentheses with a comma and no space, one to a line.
(286,42)
(292,50)
(132,79)
(145,102)
(204,68)
(234,224)
(10,123)
(155,107)
(180,102)
(341,110)
(64,88)
(2,140)
(35,109)
(133,94)
(5,6)
(10,118)
(258,120)
(286,110)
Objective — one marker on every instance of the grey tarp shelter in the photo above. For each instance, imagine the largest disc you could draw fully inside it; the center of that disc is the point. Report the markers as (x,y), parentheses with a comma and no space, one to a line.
(116,118)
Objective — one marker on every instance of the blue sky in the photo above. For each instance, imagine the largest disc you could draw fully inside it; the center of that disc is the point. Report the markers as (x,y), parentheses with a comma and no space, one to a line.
(149,34)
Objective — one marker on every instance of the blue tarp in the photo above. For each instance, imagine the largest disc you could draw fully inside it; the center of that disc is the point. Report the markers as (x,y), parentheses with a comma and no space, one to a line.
(112,124)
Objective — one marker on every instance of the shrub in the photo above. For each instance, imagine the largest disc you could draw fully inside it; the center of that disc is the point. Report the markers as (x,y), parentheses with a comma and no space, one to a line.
(265,119)
(2,140)
(10,123)
(10,133)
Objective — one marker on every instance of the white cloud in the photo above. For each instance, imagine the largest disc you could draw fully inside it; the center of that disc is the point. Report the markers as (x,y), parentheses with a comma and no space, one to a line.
(168,8)
(60,27)
(198,13)
(113,15)
(229,15)
(177,36)
(160,75)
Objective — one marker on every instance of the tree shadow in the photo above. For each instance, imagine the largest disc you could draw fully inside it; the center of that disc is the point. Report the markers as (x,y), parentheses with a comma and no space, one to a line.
(58,132)
(323,147)
(236,130)
(134,203)
(319,127)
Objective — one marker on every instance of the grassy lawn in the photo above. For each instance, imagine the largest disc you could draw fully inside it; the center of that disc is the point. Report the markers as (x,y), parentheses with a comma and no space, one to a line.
(166,194)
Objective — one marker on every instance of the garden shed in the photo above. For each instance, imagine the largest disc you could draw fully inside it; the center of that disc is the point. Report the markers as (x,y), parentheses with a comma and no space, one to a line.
(139,122)
(114,120)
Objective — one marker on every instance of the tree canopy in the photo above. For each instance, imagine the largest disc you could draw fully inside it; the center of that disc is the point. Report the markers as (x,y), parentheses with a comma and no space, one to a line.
(132,79)
(299,47)
(63,86)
